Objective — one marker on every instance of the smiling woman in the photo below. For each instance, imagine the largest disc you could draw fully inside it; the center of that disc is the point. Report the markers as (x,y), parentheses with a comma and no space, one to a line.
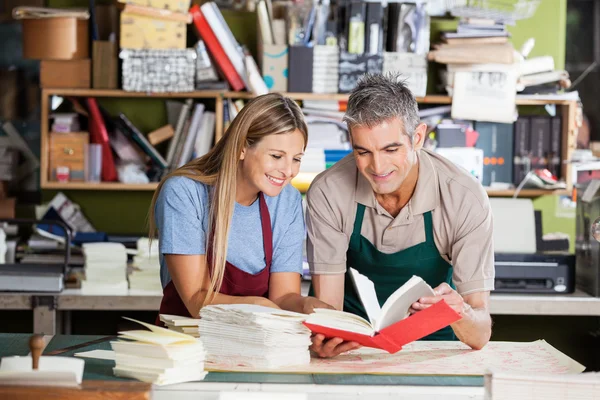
(230,227)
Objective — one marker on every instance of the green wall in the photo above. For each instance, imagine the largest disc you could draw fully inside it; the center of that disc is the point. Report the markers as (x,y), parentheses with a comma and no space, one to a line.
(548,26)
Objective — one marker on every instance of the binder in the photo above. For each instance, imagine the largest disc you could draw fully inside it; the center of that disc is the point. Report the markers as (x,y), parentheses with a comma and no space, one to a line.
(374,29)
(356,27)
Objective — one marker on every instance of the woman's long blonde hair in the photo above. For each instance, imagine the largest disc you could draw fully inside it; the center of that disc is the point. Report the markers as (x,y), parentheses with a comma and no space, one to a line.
(270,114)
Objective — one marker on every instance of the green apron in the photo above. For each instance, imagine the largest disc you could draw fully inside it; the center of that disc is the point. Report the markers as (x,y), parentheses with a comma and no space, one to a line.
(390,271)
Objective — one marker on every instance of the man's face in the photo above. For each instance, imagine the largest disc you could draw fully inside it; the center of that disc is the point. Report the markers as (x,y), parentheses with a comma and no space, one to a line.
(384,154)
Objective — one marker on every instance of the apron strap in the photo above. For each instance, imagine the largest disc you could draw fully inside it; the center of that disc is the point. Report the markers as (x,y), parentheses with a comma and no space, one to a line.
(358,220)
(427,220)
(267,232)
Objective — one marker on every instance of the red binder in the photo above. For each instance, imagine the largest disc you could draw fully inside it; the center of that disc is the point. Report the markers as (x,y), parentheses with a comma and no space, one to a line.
(213,45)
(99,135)
(392,338)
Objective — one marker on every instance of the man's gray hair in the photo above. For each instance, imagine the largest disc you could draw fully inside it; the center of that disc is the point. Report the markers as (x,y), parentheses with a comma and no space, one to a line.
(379,98)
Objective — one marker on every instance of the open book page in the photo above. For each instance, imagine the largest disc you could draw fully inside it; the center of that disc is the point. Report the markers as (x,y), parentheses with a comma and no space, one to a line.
(368,296)
(340,320)
(397,305)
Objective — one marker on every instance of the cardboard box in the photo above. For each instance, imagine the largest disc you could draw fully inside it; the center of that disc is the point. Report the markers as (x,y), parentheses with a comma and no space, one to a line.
(275,67)
(69,150)
(158,71)
(181,6)
(143,32)
(105,68)
(65,74)
(61,38)
(8,207)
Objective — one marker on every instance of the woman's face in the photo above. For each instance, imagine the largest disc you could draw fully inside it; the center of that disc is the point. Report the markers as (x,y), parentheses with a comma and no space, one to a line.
(272,163)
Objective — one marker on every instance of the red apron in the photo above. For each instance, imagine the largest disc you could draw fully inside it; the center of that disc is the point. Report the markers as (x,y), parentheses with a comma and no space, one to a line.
(235,281)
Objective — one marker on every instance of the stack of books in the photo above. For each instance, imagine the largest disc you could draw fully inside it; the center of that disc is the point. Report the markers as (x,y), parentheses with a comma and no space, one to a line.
(537,75)
(145,275)
(105,268)
(158,356)
(501,386)
(254,336)
(189,326)
(476,41)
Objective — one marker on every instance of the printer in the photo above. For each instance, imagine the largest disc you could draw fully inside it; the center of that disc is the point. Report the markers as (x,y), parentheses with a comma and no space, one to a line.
(522,261)
(535,273)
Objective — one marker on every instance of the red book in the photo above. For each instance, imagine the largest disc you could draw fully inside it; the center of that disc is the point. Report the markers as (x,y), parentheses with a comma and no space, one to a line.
(390,327)
(215,49)
(99,135)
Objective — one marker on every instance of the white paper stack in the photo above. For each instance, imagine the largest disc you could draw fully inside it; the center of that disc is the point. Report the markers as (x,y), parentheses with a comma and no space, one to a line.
(105,268)
(254,336)
(189,326)
(508,386)
(145,274)
(159,356)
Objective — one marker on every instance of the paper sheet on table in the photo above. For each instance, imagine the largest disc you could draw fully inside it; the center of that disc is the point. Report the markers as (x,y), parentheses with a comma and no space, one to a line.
(433,358)
(485,92)
(97,354)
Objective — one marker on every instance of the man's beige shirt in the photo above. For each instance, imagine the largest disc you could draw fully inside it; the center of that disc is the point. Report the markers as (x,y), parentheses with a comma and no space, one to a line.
(461,213)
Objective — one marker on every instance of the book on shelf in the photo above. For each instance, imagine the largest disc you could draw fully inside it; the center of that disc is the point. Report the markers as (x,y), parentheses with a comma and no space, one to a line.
(188,141)
(138,137)
(206,134)
(390,326)
(182,120)
(216,49)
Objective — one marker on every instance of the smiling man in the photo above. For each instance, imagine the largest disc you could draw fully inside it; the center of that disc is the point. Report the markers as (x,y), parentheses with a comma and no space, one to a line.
(392,210)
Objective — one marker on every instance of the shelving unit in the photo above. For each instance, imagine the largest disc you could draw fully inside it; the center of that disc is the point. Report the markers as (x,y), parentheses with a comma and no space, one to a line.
(565,108)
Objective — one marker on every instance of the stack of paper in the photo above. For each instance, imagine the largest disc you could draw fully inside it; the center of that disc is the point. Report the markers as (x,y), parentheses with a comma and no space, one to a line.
(146,267)
(189,326)
(105,268)
(254,336)
(509,386)
(159,356)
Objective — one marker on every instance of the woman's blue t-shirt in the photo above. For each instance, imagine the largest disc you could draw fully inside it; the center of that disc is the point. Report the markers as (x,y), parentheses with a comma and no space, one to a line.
(181,216)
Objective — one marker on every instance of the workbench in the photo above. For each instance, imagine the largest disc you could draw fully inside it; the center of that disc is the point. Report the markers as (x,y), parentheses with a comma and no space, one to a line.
(316,387)
(51,311)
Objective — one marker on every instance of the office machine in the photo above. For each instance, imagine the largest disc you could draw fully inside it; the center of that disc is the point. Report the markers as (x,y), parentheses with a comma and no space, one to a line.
(587,247)
(38,277)
(535,273)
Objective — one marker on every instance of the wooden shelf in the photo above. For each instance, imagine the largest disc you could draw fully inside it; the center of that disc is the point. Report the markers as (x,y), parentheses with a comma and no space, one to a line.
(207,94)
(116,186)
(431,99)
(526,193)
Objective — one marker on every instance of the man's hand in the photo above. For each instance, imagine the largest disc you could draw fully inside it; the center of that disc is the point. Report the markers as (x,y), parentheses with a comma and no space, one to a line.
(263,301)
(446,293)
(310,303)
(332,347)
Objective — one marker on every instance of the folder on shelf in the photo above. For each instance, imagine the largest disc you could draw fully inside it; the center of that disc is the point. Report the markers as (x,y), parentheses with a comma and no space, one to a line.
(99,135)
